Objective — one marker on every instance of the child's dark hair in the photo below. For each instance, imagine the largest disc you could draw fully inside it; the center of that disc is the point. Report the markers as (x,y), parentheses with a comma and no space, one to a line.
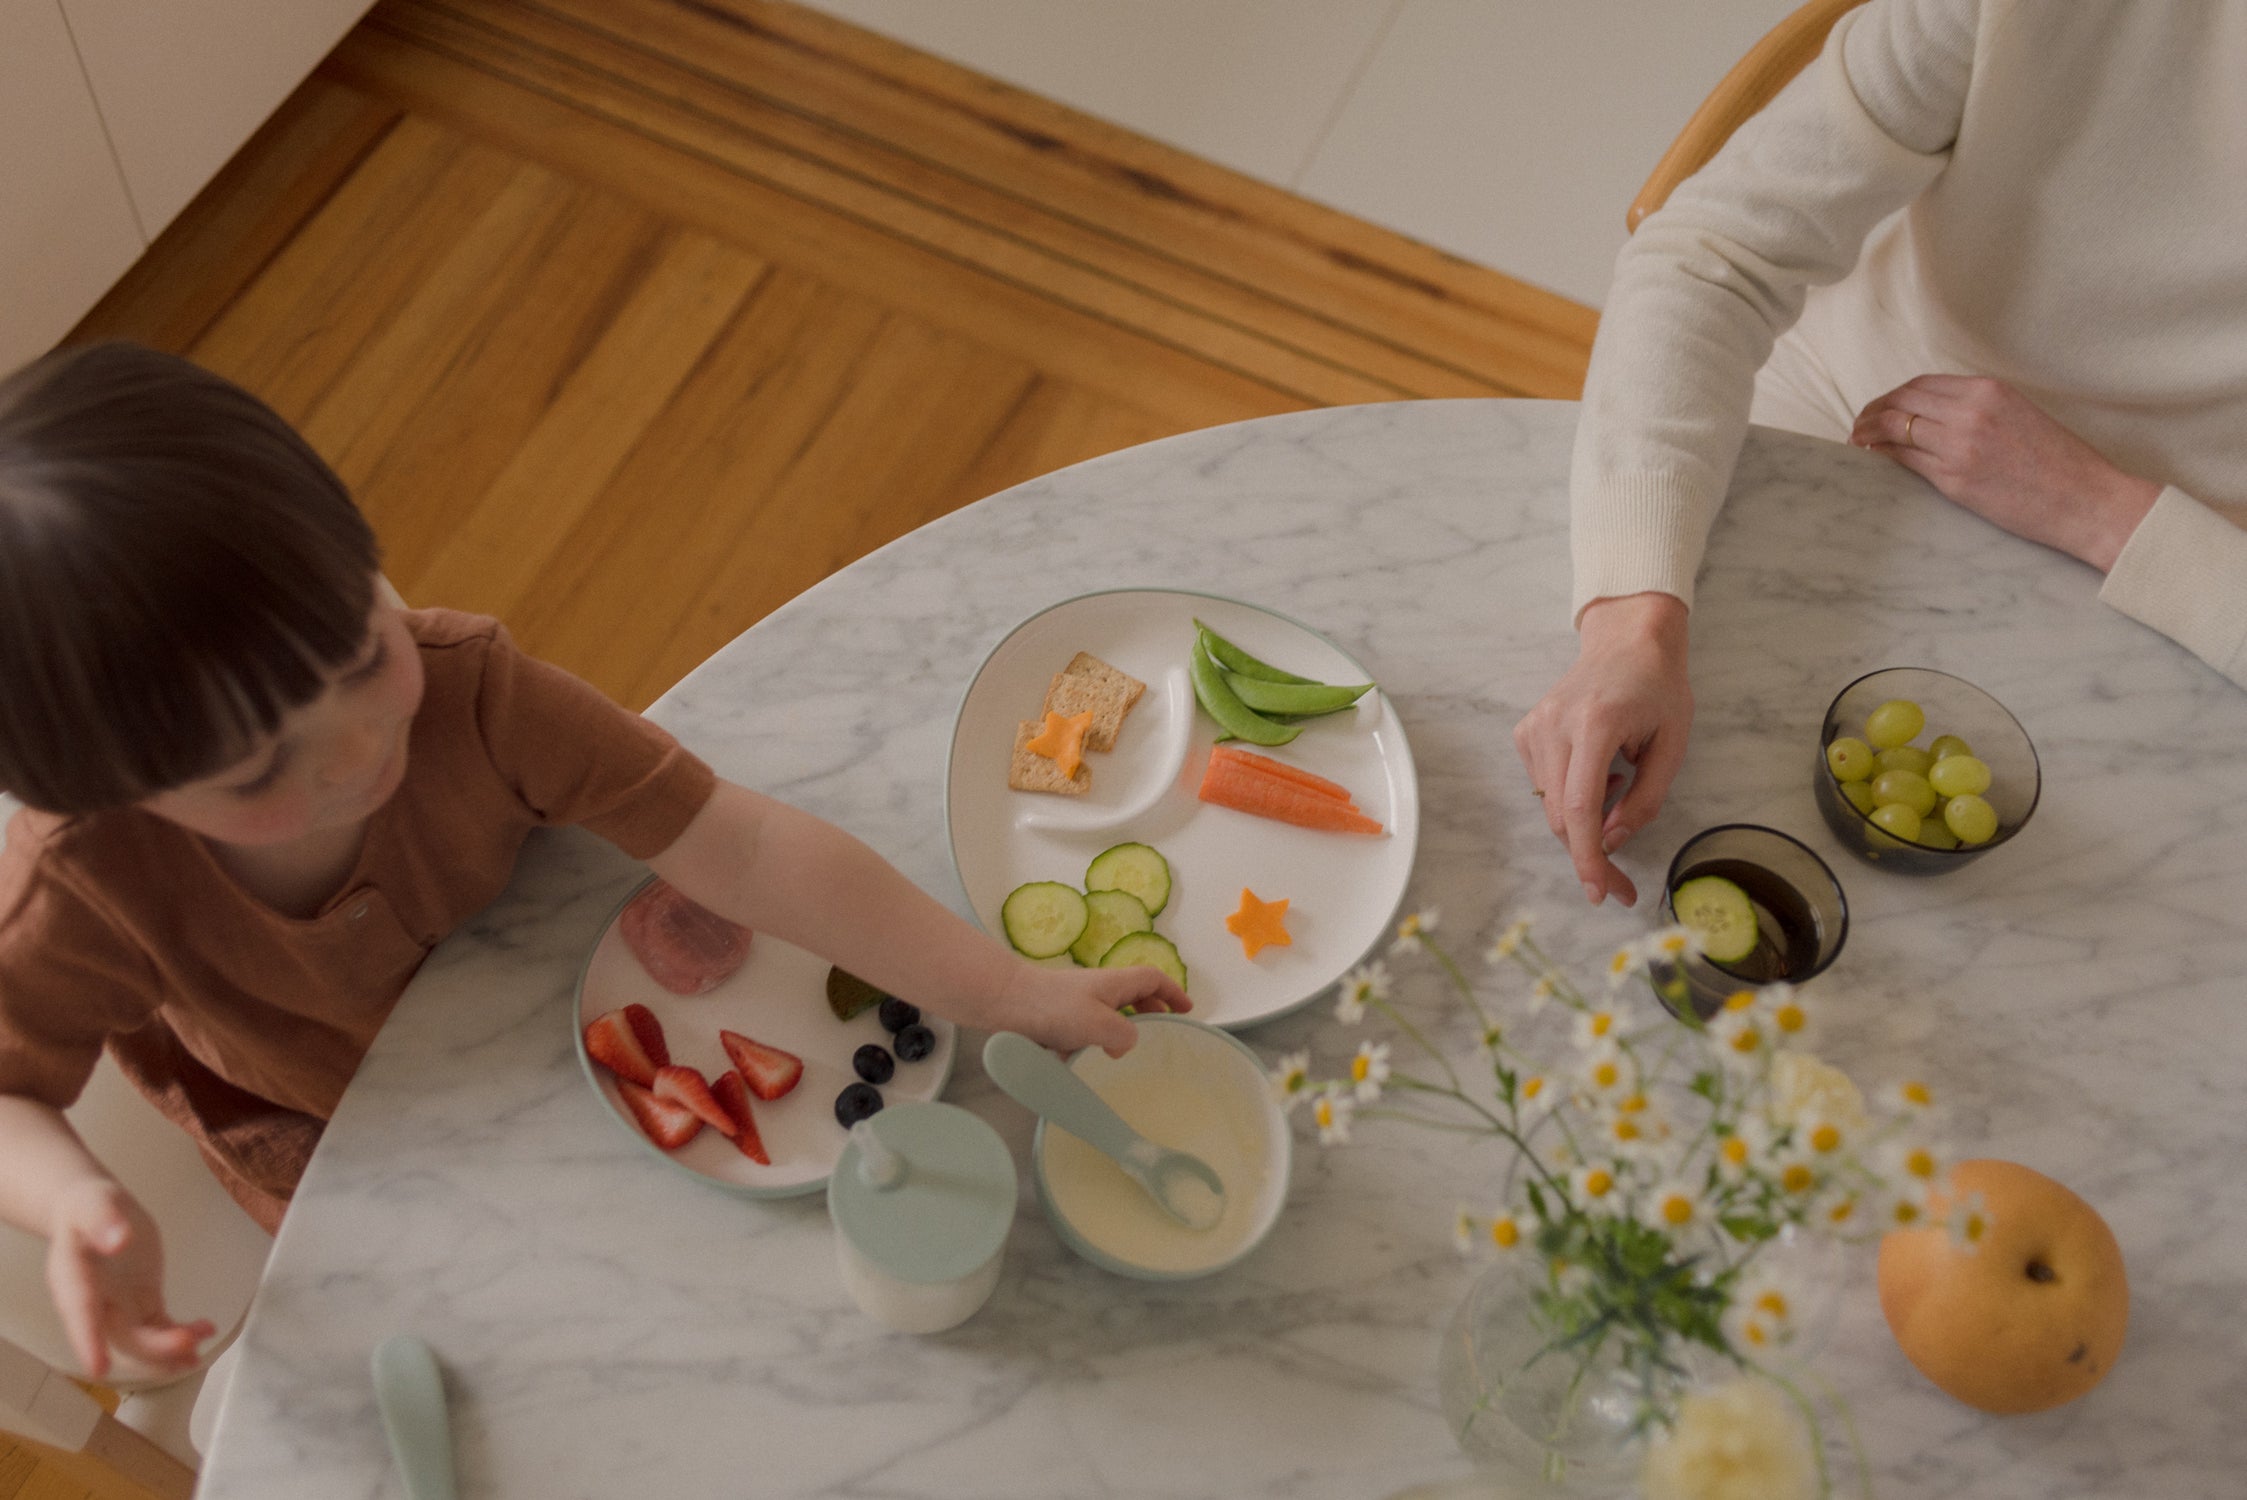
(178,569)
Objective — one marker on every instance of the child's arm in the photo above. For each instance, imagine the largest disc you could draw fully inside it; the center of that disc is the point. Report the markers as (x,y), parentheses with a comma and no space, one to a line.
(776,869)
(105,1260)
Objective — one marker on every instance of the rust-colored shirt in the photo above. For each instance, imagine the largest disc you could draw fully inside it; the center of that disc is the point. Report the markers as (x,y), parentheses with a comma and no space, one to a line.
(244,1025)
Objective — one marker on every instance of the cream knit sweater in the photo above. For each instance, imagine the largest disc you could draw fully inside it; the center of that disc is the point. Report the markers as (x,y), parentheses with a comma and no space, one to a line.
(2071,177)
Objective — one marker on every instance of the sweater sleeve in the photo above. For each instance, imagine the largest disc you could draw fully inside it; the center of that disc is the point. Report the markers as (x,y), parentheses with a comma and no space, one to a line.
(2184,573)
(1706,284)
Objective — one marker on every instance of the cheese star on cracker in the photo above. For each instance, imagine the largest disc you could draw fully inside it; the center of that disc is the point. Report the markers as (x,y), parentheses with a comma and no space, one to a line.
(1259,924)
(1062,740)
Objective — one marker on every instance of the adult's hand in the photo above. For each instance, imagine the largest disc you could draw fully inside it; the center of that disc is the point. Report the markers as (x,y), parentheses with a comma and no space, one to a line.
(1986,446)
(1626,695)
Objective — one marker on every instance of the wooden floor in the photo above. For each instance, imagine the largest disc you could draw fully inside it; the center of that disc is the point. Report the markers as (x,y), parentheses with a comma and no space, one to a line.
(629,320)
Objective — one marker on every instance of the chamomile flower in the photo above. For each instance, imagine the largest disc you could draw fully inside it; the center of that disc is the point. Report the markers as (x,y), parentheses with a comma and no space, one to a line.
(1842,1213)
(1508,944)
(1369,1069)
(1606,1075)
(1362,986)
(1760,1320)
(1624,1135)
(1803,1088)
(1411,930)
(1594,1186)
(1969,1223)
(1823,1139)
(1910,1096)
(1740,1038)
(1506,1231)
(1626,962)
(1463,1232)
(1673,945)
(1291,1079)
(1790,1018)
(1540,994)
(1535,1092)
(1674,1206)
(1902,1208)
(1598,1027)
(1914,1165)
(1331,1111)
(1797,1172)
(1492,1039)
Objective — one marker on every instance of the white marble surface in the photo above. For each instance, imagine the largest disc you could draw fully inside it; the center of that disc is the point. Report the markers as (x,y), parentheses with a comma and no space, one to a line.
(610,1329)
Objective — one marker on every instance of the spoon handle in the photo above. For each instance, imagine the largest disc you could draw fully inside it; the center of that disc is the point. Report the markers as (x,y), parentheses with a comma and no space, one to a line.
(1044,1084)
(411,1394)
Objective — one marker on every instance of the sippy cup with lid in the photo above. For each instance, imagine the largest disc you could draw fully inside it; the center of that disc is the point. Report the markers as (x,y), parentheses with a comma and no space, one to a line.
(922,1199)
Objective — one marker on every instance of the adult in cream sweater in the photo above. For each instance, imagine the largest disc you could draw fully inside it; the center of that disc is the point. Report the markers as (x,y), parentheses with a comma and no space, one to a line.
(2005,243)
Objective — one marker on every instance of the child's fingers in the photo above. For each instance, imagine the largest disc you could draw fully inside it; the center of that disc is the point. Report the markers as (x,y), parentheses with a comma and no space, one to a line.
(78,1302)
(164,1344)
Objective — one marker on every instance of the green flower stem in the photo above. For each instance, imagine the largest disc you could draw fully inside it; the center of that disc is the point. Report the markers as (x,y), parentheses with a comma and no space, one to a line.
(1856,1443)
(1810,1416)
(1424,1044)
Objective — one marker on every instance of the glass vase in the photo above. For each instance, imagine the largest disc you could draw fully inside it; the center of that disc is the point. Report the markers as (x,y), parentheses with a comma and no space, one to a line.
(1554,1421)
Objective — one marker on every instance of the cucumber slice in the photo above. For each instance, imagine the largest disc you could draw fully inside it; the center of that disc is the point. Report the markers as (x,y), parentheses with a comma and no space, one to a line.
(1233,659)
(1136,868)
(1233,716)
(1043,918)
(1112,915)
(1150,948)
(1721,913)
(1307,699)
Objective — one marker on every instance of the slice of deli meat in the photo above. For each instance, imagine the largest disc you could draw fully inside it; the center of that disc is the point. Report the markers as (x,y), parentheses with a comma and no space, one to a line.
(687,949)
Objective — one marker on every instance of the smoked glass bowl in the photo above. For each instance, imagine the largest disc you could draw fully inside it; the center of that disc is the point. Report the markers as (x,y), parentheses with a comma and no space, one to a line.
(1802,915)
(1953,706)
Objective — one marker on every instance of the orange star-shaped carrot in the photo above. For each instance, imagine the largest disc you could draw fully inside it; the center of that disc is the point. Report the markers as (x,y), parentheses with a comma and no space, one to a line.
(1062,740)
(1259,924)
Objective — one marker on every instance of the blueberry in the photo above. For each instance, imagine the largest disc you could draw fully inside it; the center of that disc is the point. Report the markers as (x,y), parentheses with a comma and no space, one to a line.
(898,1014)
(873,1063)
(915,1042)
(856,1103)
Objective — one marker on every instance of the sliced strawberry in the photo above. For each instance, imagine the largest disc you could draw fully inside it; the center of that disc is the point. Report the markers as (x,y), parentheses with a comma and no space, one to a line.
(769,1071)
(733,1093)
(629,1043)
(685,1086)
(668,1124)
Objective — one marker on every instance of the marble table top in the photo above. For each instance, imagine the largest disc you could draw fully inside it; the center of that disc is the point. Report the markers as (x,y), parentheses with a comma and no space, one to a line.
(609,1328)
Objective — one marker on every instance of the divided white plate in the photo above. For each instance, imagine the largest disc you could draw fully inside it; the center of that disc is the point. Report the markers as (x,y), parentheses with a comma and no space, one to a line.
(779,997)
(1343,890)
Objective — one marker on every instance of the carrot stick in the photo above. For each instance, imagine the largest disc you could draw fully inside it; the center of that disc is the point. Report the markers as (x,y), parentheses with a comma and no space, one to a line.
(1230,784)
(1280,768)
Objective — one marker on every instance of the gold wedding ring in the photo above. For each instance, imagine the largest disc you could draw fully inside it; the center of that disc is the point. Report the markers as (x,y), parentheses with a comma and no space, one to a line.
(1909,418)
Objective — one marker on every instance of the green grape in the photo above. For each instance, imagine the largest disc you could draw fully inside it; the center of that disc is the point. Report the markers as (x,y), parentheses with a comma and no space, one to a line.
(1936,835)
(1972,819)
(1905,758)
(1905,788)
(1859,794)
(1896,722)
(1948,745)
(1959,776)
(1898,819)
(1850,759)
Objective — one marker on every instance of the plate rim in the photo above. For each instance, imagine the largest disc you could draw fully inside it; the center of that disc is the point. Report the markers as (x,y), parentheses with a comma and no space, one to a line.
(1404,741)
(586,1066)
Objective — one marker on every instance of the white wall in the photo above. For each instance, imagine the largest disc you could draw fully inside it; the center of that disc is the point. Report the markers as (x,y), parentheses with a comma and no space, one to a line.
(1511,132)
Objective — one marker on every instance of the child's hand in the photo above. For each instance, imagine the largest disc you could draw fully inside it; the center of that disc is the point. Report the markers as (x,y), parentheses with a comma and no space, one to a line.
(105,1270)
(1070,1008)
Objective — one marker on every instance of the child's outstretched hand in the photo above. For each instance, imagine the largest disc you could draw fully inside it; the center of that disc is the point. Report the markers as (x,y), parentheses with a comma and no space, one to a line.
(105,1270)
(1070,1008)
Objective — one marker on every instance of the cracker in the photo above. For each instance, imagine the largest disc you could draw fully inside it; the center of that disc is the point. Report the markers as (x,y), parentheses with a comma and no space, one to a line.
(1090,683)
(1029,771)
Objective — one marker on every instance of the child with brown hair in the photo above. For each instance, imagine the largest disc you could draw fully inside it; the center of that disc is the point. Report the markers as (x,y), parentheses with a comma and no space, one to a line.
(258,792)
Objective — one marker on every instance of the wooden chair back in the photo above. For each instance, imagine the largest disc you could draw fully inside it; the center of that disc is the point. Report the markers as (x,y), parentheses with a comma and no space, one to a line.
(1786,49)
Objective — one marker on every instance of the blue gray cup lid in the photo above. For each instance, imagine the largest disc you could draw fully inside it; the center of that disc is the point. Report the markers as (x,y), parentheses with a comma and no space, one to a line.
(931,1200)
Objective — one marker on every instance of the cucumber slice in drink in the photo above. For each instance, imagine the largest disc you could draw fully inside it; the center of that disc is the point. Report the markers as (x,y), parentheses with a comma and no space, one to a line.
(1135,868)
(1721,914)
(1111,916)
(1043,918)
(1150,948)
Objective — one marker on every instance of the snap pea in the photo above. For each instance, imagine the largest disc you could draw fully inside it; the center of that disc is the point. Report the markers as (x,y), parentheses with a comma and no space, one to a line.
(1306,698)
(1233,659)
(1224,705)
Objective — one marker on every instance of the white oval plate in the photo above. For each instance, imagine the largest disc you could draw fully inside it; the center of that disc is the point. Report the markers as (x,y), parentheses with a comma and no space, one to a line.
(1343,890)
(778,997)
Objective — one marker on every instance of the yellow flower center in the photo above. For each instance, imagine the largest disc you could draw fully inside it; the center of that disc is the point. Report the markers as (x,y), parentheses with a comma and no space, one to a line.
(1747,1039)
(1825,1138)
(1626,1130)
(1739,1000)
(1533,1087)
(1677,1209)
(1906,1212)
(1735,1151)
(1973,1229)
(1917,1093)
(1505,1233)
(1673,945)
(1797,1178)
(1840,1212)
(1607,1075)
(1361,1067)
(1323,1112)
(1791,1018)
(1620,962)
(1920,1163)
(1602,1023)
(1755,1334)
(1597,1183)
(1633,1105)
(1772,1303)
